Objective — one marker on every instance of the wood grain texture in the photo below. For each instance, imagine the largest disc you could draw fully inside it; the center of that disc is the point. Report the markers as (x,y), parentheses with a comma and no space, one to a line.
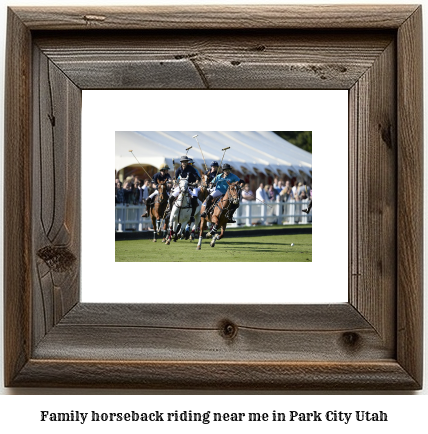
(216,59)
(373,160)
(199,332)
(17,220)
(410,207)
(56,198)
(372,342)
(217,17)
(216,375)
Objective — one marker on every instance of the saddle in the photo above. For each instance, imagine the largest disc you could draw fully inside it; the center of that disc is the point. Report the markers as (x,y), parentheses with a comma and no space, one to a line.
(189,202)
(214,205)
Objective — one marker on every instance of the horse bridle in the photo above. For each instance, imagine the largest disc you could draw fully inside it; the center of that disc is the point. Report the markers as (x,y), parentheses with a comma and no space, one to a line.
(234,200)
(164,196)
(230,199)
(183,192)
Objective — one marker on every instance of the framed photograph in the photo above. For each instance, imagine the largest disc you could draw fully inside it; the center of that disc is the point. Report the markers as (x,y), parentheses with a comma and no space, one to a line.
(371,342)
(286,233)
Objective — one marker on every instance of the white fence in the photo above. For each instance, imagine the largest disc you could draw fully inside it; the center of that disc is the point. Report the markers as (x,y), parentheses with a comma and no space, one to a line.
(128,218)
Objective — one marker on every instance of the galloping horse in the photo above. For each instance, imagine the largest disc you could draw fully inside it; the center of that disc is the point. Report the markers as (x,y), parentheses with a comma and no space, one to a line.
(219,216)
(158,210)
(202,195)
(181,210)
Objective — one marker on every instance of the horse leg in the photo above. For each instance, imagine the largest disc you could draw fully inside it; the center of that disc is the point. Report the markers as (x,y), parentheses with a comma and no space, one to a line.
(214,226)
(193,233)
(158,225)
(214,239)
(183,232)
(164,232)
(153,218)
(187,232)
(202,226)
(214,229)
(176,231)
(223,230)
(169,233)
(217,237)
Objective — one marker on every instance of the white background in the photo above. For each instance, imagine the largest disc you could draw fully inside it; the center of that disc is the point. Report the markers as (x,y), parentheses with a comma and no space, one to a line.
(283,282)
(16,412)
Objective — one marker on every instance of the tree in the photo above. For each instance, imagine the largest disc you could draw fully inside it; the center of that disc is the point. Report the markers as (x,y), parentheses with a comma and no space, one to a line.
(302,139)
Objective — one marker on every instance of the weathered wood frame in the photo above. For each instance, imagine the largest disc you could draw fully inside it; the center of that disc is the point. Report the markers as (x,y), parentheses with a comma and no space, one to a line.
(372,342)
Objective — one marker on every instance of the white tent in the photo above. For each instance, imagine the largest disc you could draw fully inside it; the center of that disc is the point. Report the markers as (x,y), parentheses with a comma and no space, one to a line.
(250,152)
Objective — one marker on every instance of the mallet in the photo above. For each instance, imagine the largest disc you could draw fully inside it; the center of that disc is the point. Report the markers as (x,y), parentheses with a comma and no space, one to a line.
(224,149)
(141,165)
(196,137)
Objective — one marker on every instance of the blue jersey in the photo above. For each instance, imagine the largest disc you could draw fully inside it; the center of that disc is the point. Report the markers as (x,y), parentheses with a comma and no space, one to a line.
(221,183)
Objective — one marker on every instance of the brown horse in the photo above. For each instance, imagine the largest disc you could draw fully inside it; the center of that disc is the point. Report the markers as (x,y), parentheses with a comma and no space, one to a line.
(202,195)
(203,192)
(218,216)
(158,210)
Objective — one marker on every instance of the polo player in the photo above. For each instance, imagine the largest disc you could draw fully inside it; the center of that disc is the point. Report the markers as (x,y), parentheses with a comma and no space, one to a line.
(221,186)
(192,175)
(160,176)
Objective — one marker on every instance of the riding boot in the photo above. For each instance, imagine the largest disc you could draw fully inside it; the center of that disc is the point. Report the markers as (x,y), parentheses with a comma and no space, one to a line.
(148,205)
(207,206)
(194,206)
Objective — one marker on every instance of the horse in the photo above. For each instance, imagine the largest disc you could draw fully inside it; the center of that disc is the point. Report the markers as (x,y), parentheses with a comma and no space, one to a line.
(158,210)
(181,211)
(203,191)
(219,217)
(202,195)
(165,228)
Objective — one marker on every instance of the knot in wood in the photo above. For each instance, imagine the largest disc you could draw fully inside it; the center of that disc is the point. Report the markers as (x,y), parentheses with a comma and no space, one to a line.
(227,329)
(351,340)
(386,134)
(58,259)
(94,18)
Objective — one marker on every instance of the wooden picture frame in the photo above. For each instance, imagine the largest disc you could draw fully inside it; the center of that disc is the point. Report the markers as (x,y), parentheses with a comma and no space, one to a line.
(372,342)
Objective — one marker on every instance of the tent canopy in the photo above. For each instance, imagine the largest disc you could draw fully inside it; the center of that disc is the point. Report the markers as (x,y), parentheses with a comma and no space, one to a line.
(250,152)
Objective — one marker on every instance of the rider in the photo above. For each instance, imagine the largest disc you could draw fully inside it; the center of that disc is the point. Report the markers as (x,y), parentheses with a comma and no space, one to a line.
(163,175)
(195,191)
(221,186)
(189,172)
(212,173)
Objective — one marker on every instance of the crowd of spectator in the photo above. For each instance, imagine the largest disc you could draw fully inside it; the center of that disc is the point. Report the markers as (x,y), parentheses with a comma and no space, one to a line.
(283,190)
(134,191)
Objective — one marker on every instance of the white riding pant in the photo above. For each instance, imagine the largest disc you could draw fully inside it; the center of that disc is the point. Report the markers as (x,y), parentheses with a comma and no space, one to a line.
(154,194)
(216,193)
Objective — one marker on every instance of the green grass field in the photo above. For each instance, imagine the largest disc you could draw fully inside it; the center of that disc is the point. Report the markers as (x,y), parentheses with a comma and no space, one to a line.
(265,248)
